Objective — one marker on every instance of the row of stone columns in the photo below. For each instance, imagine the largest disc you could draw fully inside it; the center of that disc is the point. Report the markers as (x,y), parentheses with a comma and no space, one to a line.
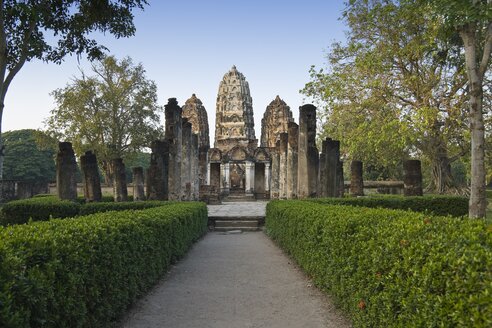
(174,171)
(298,170)
(412,181)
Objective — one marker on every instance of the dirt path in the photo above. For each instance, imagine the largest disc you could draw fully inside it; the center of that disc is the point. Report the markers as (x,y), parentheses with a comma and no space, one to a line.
(235,280)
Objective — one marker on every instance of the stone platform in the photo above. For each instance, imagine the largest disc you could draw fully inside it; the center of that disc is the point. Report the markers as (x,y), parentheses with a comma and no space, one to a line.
(244,216)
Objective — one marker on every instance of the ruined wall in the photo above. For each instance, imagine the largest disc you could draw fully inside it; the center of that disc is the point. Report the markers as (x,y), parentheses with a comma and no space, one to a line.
(275,121)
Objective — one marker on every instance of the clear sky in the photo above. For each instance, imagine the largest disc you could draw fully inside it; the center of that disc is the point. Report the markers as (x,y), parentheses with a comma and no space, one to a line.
(187,46)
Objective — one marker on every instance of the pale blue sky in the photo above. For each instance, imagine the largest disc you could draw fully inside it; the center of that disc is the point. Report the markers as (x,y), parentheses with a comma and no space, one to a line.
(187,46)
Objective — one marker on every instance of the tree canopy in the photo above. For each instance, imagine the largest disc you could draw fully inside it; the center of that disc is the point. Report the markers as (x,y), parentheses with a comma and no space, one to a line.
(49,30)
(113,112)
(395,89)
(25,159)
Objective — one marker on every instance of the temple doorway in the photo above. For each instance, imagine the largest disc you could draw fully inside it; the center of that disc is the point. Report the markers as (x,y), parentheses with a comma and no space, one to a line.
(237,178)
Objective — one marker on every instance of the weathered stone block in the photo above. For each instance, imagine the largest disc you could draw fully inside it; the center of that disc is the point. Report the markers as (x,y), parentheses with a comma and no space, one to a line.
(92,182)
(356,179)
(66,169)
(412,180)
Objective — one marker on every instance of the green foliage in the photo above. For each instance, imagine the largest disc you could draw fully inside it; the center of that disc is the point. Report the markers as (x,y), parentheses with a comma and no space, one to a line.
(390,268)
(48,206)
(85,272)
(25,160)
(37,209)
(436,204)
(113,113)
(91,208)
(396,88)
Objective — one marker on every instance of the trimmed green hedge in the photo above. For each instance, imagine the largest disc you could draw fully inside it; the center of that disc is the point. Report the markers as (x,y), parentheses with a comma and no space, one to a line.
(37,209)
(91,208)
(436,205)
(44,208)
(391,268)
(85,272)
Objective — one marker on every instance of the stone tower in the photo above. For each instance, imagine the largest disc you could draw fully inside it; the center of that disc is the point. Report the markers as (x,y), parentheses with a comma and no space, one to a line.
(275,121)
(196,114)
(234,116)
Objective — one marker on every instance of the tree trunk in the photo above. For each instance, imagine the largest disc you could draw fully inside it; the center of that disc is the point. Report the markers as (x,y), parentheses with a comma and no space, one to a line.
(2,147)
(442,180)
(478,200)
(475,71)
(108,173)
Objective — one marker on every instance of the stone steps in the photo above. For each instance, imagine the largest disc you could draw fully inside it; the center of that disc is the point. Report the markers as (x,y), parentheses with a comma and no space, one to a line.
(239,198)
(242,223)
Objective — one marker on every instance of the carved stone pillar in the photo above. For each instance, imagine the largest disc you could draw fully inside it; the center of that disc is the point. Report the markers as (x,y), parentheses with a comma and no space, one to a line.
(120,189)
(92,183)
(138,184)
(250,177)
(208,173)
(274,187)
(267,178)
(282,180)
(356,180)
(174,136)
(66,168)
(158,171)
(225,178)
(186,161)
(308,157)
(293,139)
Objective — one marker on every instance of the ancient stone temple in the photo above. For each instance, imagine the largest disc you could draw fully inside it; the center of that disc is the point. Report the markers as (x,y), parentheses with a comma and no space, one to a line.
(275,121)
(286,165)
(234,124)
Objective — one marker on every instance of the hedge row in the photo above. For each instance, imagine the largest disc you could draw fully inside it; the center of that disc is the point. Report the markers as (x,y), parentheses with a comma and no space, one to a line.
(85,272)
(44,208)
(436,205)
(391,268)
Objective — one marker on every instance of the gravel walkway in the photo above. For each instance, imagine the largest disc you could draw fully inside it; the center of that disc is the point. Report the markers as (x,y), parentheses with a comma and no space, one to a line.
(235,280)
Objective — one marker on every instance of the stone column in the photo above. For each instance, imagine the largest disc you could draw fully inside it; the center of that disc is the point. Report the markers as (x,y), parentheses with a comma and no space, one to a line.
(195,168)
(138,184)
(267,178)
(120,189)
(173,135)
(274,187)
(158,172)
(282,178)
(92,182)
(203,164)
(412,179)
(186,160)
(308,157)
(66,169)
(293,139)
(208,173)
(330,169)
(224,178)
(341,181)
(250,176)
(356,180)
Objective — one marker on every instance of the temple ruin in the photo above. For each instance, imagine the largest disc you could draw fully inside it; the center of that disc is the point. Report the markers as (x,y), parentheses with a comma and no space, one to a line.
(286,165)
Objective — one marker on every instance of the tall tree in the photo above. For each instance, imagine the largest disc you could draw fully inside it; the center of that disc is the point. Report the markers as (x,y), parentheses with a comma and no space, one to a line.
(114,112)
(472,19)
(49,30)
(26,160)
(395,87)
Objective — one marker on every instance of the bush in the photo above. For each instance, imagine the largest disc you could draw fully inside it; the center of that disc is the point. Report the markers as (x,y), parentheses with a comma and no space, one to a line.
(37,209)
(91,208)
(390,268)
(44,208)
(436,205)
(489,193)
(85,272)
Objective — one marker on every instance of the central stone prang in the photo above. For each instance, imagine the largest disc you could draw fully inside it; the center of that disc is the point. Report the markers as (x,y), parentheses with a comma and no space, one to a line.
(234,115)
